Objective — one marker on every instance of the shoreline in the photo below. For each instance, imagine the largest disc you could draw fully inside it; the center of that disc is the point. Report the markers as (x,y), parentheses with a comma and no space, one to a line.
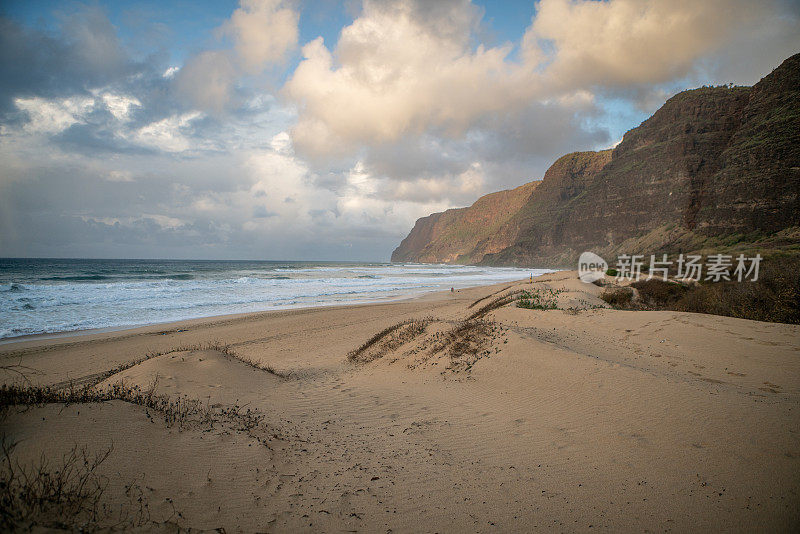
(116,312)
(123,328)
(173,329)
(196,321)
(448,412)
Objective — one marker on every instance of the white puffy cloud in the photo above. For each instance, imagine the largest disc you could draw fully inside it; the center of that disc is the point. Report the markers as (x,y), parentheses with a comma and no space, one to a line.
(393,74)
(619,43)
(285,189)
(120,176)
(264,31)
(51,117)
(405,67)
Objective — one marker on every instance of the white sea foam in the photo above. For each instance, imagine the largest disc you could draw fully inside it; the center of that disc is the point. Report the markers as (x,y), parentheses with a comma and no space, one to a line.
(64,296)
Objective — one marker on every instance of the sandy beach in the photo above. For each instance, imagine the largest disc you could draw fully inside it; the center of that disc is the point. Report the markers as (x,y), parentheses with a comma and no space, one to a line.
(475,416)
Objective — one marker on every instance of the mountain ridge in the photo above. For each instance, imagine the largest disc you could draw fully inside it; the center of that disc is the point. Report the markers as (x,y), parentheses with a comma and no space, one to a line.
(715,168)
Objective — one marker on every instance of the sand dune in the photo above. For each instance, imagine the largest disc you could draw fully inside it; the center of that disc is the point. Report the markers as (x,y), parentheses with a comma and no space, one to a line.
(574,419)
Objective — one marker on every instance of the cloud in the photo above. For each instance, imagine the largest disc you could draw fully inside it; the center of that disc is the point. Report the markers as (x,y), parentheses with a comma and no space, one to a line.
(407,68)
(168,134)
(623,42)
(757,49)
(94,38)
(406,114)
(393,74)
(264,31)
(359,209)
(120,105)
(538,130)
(120,176)
(261,212)
(206,81)
(84,52)
(53,116)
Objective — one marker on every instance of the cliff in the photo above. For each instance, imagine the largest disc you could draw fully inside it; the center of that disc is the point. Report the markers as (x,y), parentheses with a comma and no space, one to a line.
(715,168)
(465,234)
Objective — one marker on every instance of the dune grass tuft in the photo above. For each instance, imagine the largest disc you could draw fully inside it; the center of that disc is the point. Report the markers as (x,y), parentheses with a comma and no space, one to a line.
(180,411)
(493,304)
(467,342)
(65,494)
(389,339)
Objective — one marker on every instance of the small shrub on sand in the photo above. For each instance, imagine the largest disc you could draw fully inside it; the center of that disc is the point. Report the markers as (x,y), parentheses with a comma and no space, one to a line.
(618,297)
(657,293)
(65,494)
(774,297)
(62,496)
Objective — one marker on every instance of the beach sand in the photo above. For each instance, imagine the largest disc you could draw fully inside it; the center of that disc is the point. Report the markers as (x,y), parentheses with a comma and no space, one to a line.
(575,419)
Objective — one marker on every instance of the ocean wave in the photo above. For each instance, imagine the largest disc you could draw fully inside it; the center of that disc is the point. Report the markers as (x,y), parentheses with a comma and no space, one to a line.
(14,288)
(128,296)
(179,277)
(76,278)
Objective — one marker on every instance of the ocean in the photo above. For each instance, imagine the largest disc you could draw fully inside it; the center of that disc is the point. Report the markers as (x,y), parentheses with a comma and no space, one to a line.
(39,296)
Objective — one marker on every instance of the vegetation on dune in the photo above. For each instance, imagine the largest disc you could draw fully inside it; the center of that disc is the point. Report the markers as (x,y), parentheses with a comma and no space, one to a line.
(388,339)
(69,494)
(618,297)
(466,342)
(774,297)
(538,299)
(175,411)
(657,293)
(493,304)
(63,495)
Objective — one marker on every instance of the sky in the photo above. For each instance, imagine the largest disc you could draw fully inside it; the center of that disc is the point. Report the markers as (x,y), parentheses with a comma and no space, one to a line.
(321,130)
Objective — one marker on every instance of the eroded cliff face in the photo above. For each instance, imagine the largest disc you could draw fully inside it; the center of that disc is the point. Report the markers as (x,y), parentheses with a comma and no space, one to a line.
(714,166)
(464,234)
